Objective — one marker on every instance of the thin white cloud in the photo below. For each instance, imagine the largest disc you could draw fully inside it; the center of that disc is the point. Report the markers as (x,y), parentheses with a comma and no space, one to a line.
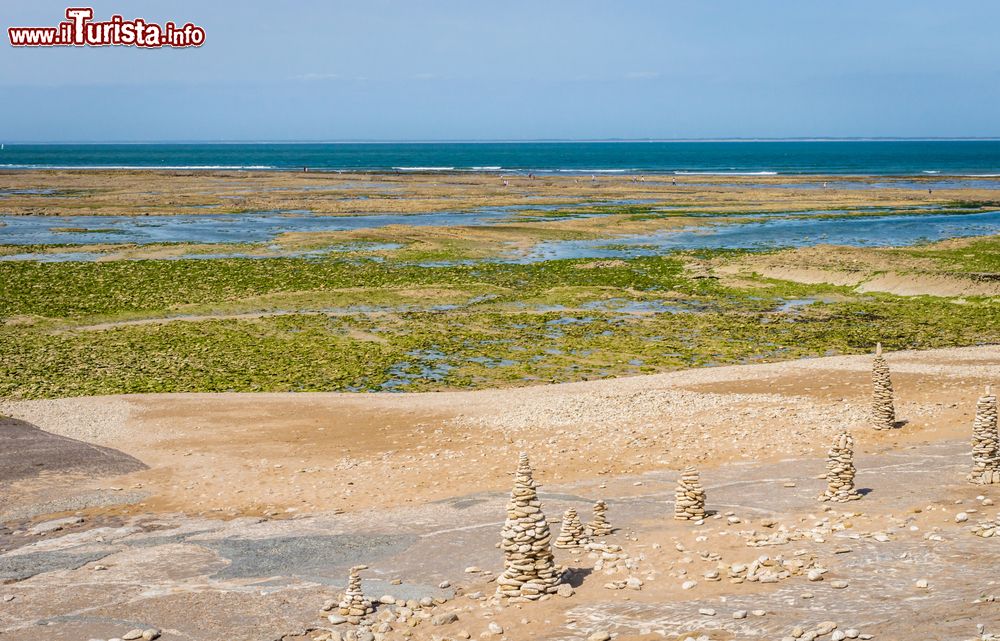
(316,76)
(642,75)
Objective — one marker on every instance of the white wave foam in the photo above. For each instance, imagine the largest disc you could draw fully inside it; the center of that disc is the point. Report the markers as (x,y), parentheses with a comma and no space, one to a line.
(726,173)
(424,168)
(930,171)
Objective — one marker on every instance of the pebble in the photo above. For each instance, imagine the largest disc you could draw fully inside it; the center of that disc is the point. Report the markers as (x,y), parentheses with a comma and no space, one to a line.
(708,612)
(495,627)
(825,627)
(838,585)
(922,583)
(687,585)
(444,619)
(961,517)
(599,636)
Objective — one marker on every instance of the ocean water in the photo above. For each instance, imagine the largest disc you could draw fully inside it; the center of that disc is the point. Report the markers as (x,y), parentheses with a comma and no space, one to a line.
(974,158)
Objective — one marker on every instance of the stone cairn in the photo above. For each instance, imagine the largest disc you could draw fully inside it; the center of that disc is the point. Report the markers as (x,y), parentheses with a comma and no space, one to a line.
(985,444)
(529,569)
(883,412)
(571,535)
(599,526)
(690,497)
(840,471)
(353,603)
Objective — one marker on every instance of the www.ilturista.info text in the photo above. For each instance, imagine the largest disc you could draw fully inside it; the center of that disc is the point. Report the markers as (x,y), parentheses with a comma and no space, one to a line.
(79,30)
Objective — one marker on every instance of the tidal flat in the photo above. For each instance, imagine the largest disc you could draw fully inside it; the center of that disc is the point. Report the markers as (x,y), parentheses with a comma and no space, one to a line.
(442,303)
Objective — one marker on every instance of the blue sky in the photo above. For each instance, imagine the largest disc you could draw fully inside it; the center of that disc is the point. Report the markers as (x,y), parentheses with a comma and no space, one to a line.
(462,69)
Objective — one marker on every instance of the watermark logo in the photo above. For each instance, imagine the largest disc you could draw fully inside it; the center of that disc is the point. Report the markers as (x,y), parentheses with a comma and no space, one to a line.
(80,30)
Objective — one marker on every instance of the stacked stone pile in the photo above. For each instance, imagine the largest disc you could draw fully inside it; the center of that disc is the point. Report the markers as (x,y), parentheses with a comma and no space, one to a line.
(840,471)
(985,445)
(599,526)
(571,535)
(690,497)
(529,570)
(353,603)
(883,412)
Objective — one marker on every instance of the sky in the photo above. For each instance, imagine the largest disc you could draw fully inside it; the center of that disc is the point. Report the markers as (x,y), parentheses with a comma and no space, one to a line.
(552,69)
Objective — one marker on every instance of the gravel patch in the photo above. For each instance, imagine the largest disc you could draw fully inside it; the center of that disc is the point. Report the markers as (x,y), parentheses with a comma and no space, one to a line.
(98,419)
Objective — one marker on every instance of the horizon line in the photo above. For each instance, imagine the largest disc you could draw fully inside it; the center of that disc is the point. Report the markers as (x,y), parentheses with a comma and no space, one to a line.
(378,141)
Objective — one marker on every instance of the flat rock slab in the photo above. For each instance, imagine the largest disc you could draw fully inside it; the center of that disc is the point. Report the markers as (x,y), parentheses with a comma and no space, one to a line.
(315,558)
(55,525)
(27,452)
(23,566)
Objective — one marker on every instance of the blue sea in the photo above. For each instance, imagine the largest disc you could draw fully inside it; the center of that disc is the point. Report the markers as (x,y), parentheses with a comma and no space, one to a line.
(972,158)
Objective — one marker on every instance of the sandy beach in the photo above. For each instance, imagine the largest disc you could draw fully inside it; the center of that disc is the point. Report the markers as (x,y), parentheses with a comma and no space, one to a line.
(297,466)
